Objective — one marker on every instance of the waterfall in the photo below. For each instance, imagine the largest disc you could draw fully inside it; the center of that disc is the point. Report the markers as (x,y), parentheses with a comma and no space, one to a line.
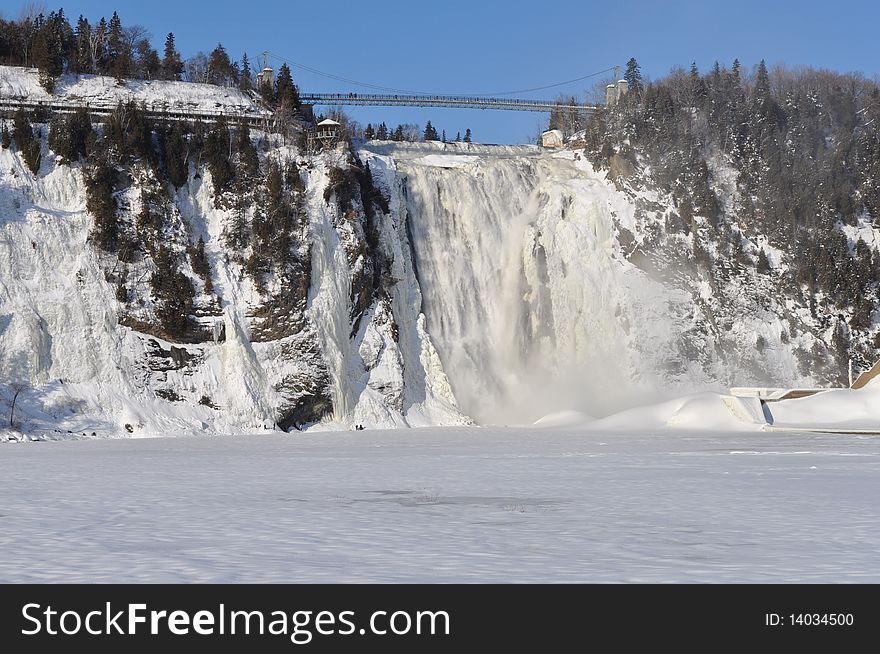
(526,296)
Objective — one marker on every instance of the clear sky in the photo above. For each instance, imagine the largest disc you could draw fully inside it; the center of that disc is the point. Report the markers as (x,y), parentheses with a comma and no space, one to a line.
(493,46)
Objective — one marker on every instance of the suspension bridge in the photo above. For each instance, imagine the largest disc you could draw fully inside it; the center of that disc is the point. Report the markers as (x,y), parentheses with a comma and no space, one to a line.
(447,101)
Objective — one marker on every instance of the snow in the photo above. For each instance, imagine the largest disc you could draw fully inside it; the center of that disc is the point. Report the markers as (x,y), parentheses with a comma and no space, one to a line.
(105,92)
(445,505)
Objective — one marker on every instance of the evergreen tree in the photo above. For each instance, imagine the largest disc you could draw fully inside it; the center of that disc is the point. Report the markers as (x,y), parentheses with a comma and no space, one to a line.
(382,132)
(25,141)
(369,133)
(131,131)
(458,137)
(248,159)
(174,155)
(71,136)
(201,266)
(118,58)
(173,292)
(149,62)
(47,55)
(736,73)
(172,65)
(430,132)
(219,66)
(633,76)
(286,92)
(102,204)
(467,135)
(762,83)
(84,63)
(444,136)
(5,137)
(245,81)
(217,145)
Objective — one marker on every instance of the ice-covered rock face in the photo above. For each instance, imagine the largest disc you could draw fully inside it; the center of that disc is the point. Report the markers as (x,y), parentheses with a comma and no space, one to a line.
(90,361)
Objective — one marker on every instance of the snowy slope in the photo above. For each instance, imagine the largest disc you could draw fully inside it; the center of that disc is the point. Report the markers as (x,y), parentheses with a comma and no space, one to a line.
(104,92)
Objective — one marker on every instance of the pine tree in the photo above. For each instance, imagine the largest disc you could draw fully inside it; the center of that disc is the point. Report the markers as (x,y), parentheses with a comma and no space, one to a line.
(382,132)
(84,63)
(118,60)
(245,81)
(102,205)
(467,135)
(430,132)
(458,137)
(25,141)
(737,75)
(173,292)
(150,64)
(5,137)
(201,266)
(47,55)
(219,66)
(762,84)
(444,136)
(286,92)
(633,76)
(71,136)
(172,65)
(248,159)
(174,155)
(217,145)
(369,134)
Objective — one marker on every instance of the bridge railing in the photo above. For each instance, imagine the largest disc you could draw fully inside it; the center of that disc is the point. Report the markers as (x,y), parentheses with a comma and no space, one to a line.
(440,100)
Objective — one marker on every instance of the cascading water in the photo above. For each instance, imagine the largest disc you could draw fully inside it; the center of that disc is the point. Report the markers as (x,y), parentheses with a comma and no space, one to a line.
(529,303)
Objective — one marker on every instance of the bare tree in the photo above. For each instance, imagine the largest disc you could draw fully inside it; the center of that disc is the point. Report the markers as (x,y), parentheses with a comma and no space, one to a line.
(197,68)
(134,34)
(17,388)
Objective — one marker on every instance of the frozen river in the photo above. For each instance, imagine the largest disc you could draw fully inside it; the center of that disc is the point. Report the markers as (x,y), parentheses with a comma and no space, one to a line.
(444,505)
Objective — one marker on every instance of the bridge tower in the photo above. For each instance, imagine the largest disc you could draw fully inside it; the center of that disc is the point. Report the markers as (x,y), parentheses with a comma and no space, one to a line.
(265,76)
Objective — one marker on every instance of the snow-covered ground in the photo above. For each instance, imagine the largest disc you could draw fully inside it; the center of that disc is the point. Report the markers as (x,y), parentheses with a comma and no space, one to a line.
(443,505)
(105,92)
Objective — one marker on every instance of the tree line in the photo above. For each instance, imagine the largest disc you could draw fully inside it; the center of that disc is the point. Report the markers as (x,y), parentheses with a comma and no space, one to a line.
(805,148)
(411,132)
(55,46)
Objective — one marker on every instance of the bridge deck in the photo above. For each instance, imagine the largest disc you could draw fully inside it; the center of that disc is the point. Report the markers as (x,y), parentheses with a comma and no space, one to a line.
(450,101)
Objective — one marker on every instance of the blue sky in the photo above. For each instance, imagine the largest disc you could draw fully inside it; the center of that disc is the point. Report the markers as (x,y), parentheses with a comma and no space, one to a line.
(494,46)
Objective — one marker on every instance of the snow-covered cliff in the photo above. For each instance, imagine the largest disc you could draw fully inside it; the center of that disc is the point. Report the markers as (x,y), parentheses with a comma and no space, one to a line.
(82,371)
(499,284)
